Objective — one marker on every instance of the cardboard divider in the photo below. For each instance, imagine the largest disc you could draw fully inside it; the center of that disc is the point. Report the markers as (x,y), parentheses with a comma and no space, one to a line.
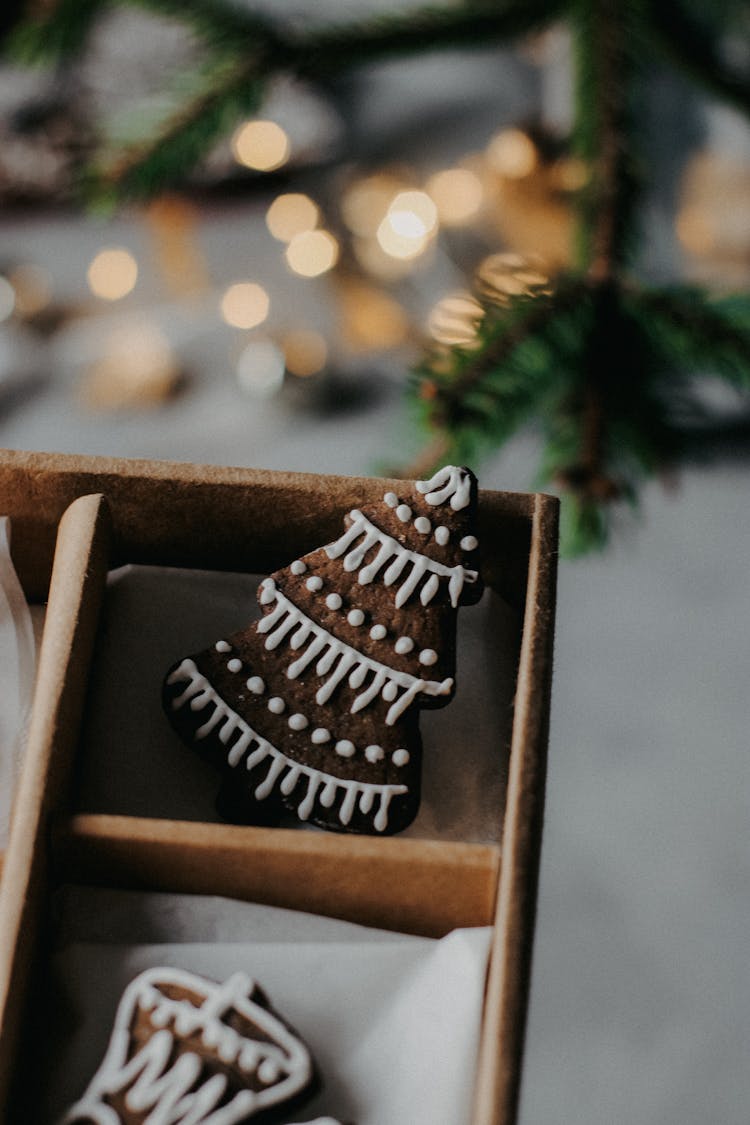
(76,589)
(407,885)
(235,519)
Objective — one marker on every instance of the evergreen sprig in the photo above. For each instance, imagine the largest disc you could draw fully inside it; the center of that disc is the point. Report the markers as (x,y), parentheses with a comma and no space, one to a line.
(609,369)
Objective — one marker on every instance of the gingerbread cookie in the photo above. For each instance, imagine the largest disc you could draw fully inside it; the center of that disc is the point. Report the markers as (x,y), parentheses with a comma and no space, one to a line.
(186,1050)
(314,708)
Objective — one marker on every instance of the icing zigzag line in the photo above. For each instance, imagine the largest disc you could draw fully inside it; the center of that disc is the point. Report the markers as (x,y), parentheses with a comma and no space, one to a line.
(320,786)
(320,645)
(390,549)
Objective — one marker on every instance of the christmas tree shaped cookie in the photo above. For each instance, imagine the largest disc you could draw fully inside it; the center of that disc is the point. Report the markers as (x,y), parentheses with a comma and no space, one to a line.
(184,1049)
(315,708)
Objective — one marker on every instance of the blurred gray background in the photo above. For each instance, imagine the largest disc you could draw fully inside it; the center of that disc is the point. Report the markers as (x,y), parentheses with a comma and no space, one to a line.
(640,1008)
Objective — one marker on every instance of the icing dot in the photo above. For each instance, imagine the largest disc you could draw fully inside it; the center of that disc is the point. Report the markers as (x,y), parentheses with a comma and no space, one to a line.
(298,567)
(276,704)
(442,535)
(314,583)
(427,656)
(423,525)
(390,691)
(344,748)
(223,646)
(378,632)
(469,543)
(400,757)
(256,685)
(355,617)
(391,499)
(234,665)
(333,601)
(404,645)
(297,722)
(320,734)
(403,511)
(374,753)
(268,1071)
(267,588)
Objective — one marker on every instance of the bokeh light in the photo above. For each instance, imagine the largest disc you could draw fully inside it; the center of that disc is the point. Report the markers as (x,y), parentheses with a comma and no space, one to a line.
(312,253)
(260,145)
(365,202)
(112,274)
(457,194)
(372,319)
(260,369)
(245,304)
(512,153)
(33,287)
(412,214)
(291,214)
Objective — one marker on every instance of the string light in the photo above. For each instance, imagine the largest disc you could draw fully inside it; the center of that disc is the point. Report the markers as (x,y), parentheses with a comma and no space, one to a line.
(245,304)
(457,194)
(454,319)
(412,214)
(261,145)
(513,154)
(305,352)
(312,253)
(291,214)
(511,275)
(260,369)
(365,202)
(112,274)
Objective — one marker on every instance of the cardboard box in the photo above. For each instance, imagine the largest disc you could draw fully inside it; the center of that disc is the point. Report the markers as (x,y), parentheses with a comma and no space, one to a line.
(73,519)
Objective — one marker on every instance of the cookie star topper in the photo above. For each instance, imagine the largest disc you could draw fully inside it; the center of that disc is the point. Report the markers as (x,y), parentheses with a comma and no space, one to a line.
(314,708)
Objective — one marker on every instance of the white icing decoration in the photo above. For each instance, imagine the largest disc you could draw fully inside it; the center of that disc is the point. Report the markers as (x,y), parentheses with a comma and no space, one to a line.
(378,632)
(223,646)
(255,685)
(355,617)
(423,525)
(234,665)
(164,1084)
(314,583)
(277,705)
(404,645)
(267,591)
(298,567)
(320,735)
(400,757)
(469,543)
(391,499)
(344,748)
(403,511)
(200,690)
(297,722)
(429,589)
(333,601)
(428,656)
(362,535)
(449,483)
(374,753)
(442,535)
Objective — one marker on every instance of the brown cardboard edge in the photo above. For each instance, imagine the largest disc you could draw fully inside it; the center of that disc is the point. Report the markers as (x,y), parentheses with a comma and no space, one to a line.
(504,1022)
(294,511)
(425,887)
(76,589)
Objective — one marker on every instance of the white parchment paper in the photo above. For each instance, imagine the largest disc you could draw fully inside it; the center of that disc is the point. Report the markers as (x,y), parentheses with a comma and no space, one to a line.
(133,763)
(393,1020)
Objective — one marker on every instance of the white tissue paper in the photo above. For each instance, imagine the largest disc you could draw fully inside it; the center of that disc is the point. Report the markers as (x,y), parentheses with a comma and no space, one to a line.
(392,1020)
(17,670)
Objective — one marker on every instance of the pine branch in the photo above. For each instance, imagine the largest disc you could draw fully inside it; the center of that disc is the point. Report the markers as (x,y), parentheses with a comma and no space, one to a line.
(57,36)
(692,45)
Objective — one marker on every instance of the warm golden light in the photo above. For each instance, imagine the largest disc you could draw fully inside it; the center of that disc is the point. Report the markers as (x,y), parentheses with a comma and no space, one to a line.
(112,274)
(696,230)
(372,319)
(400,245)
(260,369)
(454,319)
(412,214)
(457,194)
(260,145)
(312,253)
(305,352)
(137,369)
(365,203)
(512,153)
(33,288)
(245,304)
(291,214)
(570,173)
(511,275)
